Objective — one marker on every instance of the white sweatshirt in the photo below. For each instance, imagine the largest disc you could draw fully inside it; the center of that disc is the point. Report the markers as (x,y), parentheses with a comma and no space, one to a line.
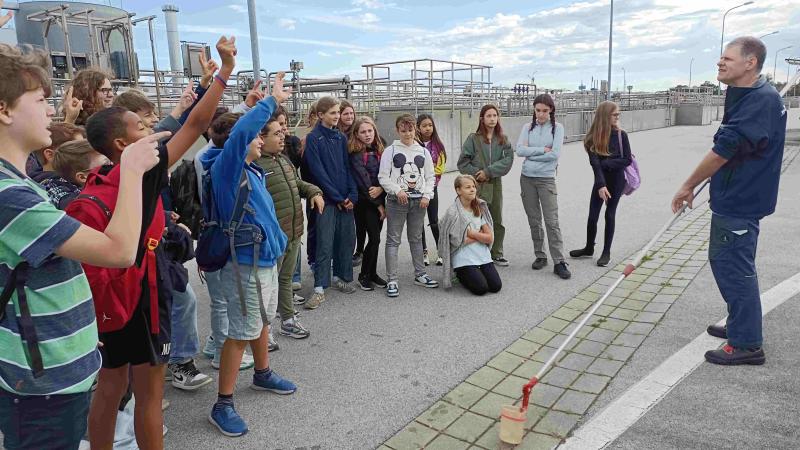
(407,168)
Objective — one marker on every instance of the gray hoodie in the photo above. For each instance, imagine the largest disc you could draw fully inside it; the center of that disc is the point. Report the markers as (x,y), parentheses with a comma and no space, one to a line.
(531,144)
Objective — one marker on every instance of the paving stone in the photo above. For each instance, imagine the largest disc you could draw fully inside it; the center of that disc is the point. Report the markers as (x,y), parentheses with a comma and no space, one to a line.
(553,324)
(491,405)
(642,296)
(560,377)
(650,288)
(657,280)
(440,415)
(469,427)
(528,369)
(505,361)
(613,324)
(544,354)
(486,377)
(695,263)
(445,442)
(601,335)
(649,317)
(511,387)
(640,277)
(623,292)
(604,310)
(662,273)
(614,300)
(629,340)
(545,395)
(605,367)
(490,439)
(657,307)
(593,384)
(559,339)
(640,328)
(539,335)
(581,333)
(523,348)
(685,275)
(567,314)
(680,282)
(665,298)
(618,352)
(574,402)
(578,304)
(465,395)
(671,290)
(590,348)
(412,437)
(576,361)
(588,296)
(636,305)
(644,271)
(628,284)
(651,265)
(557,423)
(597,289)
(624,314)
(537,441)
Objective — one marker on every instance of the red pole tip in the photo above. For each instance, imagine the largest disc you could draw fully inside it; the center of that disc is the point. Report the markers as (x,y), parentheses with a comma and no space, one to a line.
(628,269)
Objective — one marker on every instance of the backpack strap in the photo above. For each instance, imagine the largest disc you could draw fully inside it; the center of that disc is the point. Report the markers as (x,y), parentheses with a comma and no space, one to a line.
(16,282)
(240,207)
(100,203)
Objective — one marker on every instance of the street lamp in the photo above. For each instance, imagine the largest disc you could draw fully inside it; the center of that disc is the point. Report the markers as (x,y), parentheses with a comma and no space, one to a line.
(690,73)
(610,34)
(775,66)
(624,79)
(251,18)
(722,39)
(768,34)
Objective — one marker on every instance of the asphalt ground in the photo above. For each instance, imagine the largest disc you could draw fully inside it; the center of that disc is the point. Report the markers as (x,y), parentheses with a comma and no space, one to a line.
(373,364)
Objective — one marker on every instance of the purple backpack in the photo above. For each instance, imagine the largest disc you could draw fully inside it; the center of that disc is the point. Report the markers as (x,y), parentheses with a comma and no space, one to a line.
(632,178)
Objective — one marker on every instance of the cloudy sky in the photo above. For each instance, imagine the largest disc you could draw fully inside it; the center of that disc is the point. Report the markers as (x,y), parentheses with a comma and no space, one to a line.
(560,42)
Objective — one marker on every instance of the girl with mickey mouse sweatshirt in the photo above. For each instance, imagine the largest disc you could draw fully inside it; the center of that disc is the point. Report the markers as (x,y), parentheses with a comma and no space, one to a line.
(407,176)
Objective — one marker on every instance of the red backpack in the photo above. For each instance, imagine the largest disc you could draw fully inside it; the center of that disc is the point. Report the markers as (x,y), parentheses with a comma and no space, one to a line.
(117,292)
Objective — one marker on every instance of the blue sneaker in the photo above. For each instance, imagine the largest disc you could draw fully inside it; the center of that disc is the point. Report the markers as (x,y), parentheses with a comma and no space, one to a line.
(272,382)
(227,420)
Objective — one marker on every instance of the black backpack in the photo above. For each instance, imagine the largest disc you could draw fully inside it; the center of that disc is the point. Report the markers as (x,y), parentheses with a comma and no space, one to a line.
(185,197)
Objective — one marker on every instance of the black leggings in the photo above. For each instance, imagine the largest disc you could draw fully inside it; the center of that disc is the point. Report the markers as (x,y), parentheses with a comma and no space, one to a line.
(615,182)
(368,219)
(480,279)
(433,218)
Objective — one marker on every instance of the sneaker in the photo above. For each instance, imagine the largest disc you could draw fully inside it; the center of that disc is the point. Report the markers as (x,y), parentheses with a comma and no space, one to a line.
(210,348)
(439,261)
(272,382)
(296,286)
(186,376)
(273,344)
(365,284)
(500,261)
(425,258)
(729,355)
(344,286)
(298,300)
(561,270)
(291,327)
(392,290)
(315,300)
(357,259)
(718,331)
(539,263)
(581,252)
(603,260)
(378,281)
(227,420)
(426,281)
(164,404)
(247,362)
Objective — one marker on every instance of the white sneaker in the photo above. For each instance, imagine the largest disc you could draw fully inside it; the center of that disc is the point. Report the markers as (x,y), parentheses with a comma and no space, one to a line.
(247,362)
(426,281)
(296,286)
(186,376)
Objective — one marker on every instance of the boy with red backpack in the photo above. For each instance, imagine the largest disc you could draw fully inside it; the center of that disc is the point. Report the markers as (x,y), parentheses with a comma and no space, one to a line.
(132,304)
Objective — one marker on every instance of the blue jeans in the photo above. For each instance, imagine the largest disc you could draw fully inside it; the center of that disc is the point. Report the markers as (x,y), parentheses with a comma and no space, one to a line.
(219,311)
(37,422)
(296,278)
(185,341)
(732,253)
(336,236)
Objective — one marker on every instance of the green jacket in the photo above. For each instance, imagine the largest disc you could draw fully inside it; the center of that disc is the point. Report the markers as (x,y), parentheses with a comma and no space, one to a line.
(495,164)
(286,189)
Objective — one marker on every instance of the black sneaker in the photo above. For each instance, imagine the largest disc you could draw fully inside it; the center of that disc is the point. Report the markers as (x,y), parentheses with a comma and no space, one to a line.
(718,331)
(729,355)
(581,252)
(561,270)
(539,263)
(378,281)
(500,261)
(356,259)
(365,284)
(603,260)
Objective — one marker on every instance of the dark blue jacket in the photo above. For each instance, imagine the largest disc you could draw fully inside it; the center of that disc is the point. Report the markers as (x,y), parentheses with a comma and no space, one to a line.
(326,164)
(751,138)
(365,167)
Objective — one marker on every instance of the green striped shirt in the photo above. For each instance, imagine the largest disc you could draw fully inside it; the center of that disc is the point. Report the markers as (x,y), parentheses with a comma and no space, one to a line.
(59,297)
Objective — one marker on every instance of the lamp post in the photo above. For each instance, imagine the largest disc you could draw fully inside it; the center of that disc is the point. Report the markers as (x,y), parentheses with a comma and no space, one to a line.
(251,15)
(624,79)
(610,42)
(768,34)
(775,66)
(722,39)
(690,73)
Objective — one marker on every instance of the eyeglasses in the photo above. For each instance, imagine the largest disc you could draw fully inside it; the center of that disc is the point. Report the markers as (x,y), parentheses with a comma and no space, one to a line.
(615,115)
(278,133)
(106,91)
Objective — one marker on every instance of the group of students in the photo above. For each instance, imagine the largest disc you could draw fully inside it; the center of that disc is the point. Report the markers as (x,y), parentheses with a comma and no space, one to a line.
(97,298)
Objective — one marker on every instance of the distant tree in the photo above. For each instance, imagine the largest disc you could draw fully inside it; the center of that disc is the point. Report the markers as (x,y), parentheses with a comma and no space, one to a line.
(713,86)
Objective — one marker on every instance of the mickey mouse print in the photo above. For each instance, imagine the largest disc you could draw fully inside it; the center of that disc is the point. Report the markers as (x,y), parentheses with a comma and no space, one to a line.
(407,168)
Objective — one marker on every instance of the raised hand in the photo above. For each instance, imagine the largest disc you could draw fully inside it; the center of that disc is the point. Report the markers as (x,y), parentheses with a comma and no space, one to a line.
(188,96)
(142,155)
(227,52)
(209,67)
(72,106)
(254,95)
(5,19)
(280,93)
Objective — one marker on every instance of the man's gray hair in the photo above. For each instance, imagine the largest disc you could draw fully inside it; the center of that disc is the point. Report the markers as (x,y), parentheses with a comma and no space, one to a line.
(750,46)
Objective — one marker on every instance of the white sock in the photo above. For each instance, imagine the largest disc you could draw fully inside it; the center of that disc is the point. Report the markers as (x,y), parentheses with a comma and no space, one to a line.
(319,290)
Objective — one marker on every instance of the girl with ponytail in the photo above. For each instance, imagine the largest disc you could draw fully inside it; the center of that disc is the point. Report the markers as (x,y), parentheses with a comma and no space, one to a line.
(468,252)
(540,144)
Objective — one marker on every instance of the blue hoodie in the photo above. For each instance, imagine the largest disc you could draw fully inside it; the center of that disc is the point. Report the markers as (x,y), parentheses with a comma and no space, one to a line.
(751,138)
(226,166)
(326,164)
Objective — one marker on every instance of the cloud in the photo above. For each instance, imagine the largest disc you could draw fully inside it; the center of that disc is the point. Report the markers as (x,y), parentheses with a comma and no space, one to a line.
(287,24)
(323,54)
(238,8)
(372,4)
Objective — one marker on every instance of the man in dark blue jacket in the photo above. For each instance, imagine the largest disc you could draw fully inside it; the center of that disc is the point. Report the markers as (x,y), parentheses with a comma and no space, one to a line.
(745,167)
(327,165)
